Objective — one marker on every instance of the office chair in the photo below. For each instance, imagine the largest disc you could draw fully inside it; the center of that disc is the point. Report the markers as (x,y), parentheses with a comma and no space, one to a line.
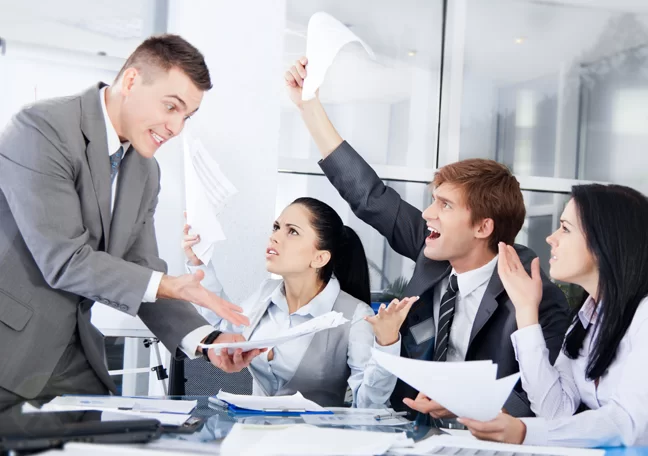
(198,377)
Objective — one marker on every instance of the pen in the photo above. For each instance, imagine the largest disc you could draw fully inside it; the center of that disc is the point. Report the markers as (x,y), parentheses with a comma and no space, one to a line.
(386,416)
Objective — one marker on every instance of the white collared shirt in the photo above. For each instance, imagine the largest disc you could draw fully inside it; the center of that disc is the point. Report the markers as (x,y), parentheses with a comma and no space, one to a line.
(189,343)
(618,412)
(370,384)
(472,286)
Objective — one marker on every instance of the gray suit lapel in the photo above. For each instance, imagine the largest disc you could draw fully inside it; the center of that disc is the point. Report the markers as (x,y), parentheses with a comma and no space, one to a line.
(130,189)
(93,126)
(487,305)
(426,275)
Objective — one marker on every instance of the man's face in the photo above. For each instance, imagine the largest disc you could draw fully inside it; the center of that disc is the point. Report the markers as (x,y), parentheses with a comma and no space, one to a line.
(155,111)
(451,233)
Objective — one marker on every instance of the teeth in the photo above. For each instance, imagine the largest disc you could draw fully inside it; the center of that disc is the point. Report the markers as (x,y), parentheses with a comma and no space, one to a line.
(158,138)
(433,230)
(272,252)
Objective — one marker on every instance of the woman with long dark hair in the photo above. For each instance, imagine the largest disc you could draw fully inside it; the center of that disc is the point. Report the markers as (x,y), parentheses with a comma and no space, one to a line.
(601,246)
(323,268)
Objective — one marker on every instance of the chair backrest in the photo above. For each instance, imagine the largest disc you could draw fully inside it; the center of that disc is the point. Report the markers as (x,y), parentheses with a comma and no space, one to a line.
(198,377)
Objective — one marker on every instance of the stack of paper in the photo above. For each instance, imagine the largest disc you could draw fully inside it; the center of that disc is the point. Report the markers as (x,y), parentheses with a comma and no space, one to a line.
(327,321)
(301,439)
(469,389)
(296,402)
(325,37)
(116,407)
(207,190)
(457,446)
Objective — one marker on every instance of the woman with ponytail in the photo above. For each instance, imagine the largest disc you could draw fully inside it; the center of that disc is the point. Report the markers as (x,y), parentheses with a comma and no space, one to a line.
(323,268)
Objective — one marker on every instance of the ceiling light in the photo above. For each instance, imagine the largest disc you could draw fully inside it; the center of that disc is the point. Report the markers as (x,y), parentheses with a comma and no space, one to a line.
(519,40)
(411,53)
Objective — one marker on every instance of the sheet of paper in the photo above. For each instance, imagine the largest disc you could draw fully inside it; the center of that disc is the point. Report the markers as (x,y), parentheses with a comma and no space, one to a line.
(207,191)
(447,444)
(294,402)
(468,389)
(325,37)
(323,322)
(114,403)
(353,420)
(169,419)
(301,439)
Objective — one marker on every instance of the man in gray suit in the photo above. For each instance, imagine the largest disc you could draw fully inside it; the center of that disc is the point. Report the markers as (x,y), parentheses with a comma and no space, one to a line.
(78,192)
(463,312)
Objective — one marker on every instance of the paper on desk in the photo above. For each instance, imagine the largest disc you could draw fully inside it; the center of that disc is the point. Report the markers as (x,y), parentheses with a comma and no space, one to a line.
(469,389)
(115,403)
(294,402)
(323,322)
(447,444)
(325,37)
(169,419)
(353,420)
(303,439)
(207,191)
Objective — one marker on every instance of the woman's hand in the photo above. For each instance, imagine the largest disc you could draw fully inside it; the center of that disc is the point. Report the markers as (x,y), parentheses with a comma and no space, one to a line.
(524,291)
(188,241)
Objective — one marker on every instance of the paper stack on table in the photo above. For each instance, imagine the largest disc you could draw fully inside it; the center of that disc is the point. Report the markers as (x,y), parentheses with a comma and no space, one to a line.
(323,322)
(271,403)
(207,190)
(170,412)
(325,37)
(467,389)
(301,439)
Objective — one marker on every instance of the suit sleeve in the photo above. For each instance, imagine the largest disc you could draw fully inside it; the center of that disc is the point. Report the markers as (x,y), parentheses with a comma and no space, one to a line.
(375,203)
(38,181)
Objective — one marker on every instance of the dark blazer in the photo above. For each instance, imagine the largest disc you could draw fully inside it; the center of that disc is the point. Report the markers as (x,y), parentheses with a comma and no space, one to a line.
(405,230)
(61,249)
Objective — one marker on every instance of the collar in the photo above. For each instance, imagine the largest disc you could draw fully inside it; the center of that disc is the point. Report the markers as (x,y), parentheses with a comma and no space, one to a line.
(113,138)
(588,312)
(469,281)
(319,305)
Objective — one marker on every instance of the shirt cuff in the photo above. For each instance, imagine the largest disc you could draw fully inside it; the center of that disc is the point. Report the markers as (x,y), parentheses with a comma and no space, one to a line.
(537,431)
(150,295)
(189,343)
(528,339)
(193,268)
(393,349)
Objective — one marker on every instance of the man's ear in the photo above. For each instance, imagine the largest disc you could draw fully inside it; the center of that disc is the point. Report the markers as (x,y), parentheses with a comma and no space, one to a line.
(322,257)
(128,80)
(484,229)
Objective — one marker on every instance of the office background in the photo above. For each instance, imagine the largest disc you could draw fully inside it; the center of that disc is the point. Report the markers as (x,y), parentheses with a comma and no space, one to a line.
(555,89)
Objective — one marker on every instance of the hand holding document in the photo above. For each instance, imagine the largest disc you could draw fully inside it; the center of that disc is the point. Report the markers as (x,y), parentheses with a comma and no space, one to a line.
(327,321)
(325,37)
(469,389)
(207,190)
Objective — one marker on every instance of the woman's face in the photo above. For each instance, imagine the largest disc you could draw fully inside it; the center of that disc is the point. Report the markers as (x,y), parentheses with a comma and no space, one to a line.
(292,248)
(571,261)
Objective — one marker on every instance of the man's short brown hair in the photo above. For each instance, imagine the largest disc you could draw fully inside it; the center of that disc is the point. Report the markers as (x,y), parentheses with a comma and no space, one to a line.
(163,52)
(490,191)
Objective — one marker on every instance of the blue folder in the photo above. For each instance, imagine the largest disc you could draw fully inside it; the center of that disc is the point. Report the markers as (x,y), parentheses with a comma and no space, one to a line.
(233,409)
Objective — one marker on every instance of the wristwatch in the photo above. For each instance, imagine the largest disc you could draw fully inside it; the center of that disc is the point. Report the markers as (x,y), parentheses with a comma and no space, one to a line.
(209,340)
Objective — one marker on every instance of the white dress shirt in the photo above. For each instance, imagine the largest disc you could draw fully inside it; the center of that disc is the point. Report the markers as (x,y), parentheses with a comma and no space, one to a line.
(618,412)
(472,286)
(189,343)
(370,384)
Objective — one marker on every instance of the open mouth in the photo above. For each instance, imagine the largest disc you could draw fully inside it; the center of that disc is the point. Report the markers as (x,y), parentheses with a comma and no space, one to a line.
(434,234)
(271,252)
(157,138)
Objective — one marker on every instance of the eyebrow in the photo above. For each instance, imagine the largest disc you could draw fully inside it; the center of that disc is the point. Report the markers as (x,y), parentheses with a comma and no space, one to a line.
(293,225)
(445,200)
(182,102)
(565,221)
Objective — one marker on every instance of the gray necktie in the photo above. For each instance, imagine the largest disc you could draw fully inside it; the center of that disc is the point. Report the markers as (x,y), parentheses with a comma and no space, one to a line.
(446,314)
(115,160)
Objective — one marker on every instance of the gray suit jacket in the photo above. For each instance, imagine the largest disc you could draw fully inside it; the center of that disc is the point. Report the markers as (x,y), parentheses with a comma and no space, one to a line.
(405,230)
(60,247)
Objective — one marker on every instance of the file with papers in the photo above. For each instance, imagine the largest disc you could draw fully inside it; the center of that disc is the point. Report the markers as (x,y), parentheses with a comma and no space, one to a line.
(323,322)
(325,37)
(295,404)
(207,191)
(468,389)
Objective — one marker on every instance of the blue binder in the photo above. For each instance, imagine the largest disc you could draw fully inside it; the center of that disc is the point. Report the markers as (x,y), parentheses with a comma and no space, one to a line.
(234,410)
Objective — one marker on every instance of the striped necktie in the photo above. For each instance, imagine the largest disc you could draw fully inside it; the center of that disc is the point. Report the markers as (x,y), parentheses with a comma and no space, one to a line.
(115,160)
(446,314)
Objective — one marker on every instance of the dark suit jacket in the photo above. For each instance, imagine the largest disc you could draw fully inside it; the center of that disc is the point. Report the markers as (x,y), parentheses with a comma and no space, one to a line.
(61,249)
(405,230)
